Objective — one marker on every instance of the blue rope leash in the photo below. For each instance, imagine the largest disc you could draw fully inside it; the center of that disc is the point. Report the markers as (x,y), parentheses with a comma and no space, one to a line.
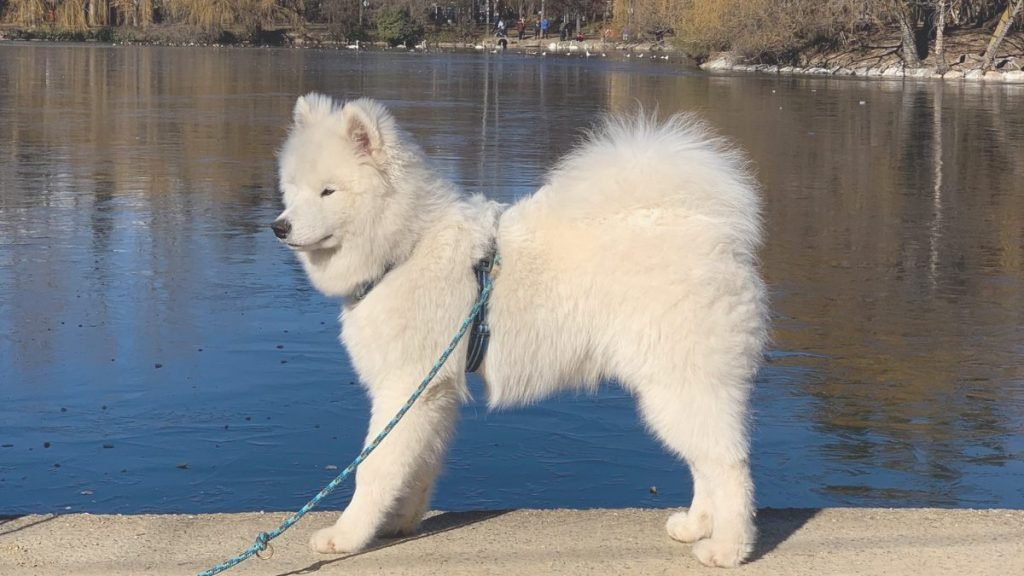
(263,538)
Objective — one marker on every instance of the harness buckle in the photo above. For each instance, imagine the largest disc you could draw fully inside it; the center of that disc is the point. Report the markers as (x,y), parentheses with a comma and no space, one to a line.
(485,265)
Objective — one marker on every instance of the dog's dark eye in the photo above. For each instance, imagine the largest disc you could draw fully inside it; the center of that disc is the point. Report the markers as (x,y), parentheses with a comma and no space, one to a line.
(327,192)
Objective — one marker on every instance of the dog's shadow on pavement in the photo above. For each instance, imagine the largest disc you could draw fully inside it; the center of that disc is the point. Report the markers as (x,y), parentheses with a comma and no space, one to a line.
(775,526)
(431,526)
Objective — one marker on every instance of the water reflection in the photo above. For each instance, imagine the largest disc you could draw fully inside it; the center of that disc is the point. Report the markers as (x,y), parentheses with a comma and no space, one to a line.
(150,321)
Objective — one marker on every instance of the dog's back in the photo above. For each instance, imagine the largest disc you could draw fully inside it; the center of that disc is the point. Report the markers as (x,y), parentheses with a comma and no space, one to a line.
(645,233)
(638,171)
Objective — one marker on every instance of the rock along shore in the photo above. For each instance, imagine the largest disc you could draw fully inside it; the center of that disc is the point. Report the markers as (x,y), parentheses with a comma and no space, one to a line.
(963,69)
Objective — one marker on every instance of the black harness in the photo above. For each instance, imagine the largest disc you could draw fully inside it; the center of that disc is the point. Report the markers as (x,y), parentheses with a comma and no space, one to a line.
(480,333)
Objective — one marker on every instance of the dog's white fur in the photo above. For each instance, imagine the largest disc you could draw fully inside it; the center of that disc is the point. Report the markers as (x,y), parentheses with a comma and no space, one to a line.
(635,262)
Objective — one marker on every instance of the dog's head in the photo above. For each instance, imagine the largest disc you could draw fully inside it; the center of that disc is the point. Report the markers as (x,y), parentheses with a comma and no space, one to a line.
(332,171)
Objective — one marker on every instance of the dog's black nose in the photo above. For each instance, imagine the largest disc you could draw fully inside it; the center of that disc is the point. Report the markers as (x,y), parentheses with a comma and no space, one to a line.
(281,228)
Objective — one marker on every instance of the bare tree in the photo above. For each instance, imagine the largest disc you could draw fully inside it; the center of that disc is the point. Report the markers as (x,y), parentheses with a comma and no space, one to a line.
(135,13)
(98,10)
(1012,8)
(251,15)
(940,37)
(908,41)
(26,12)
(71,15)
(344,18)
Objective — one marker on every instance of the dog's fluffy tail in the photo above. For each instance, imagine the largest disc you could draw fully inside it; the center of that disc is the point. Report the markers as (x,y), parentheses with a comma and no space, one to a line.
(676,168)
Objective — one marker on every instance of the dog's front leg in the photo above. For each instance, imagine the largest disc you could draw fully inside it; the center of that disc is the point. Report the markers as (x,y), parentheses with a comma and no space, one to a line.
(393,483)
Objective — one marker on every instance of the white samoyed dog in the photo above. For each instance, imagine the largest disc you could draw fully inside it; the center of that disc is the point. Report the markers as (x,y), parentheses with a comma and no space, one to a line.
(635,262)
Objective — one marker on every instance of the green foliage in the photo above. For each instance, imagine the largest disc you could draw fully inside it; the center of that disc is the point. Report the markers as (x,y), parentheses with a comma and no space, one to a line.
(105,34)
(397,27)
(349,31)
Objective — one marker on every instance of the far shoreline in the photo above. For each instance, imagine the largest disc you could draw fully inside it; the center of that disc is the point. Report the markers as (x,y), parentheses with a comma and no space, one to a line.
(837,65)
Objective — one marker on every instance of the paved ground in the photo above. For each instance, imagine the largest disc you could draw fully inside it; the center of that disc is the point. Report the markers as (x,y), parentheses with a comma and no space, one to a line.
(529,542)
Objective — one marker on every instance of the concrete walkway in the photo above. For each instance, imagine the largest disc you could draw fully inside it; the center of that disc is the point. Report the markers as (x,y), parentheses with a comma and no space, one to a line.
(528,542)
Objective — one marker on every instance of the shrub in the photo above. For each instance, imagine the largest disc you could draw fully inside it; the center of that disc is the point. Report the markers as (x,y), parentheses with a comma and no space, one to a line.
(399,28)
(106,34)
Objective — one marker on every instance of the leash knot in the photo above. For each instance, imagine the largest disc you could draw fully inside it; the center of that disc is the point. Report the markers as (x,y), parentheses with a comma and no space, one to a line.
(262,544)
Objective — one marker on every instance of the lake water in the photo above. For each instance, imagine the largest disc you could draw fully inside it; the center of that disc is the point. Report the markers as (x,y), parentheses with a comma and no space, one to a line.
(160,351)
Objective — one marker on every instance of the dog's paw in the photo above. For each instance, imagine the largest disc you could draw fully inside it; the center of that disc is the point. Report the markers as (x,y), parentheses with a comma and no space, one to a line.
(336,540)
(684,527)
(720,553)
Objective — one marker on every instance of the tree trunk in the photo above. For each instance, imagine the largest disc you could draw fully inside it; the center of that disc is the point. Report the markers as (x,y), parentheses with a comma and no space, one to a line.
(145,13)
(1000,32)
(96,13)
(940,37)
(908,42)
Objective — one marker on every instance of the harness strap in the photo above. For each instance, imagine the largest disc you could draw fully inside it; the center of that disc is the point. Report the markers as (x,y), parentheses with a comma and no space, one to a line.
(363,289)
(480,333)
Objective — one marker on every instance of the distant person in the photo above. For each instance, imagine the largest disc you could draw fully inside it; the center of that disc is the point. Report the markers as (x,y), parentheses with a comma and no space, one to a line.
(544,27)
(521,27)
(563,30)
(502,28)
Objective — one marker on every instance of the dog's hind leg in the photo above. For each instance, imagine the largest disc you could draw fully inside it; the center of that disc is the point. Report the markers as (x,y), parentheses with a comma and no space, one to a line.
(398,474)
(733,533)
(706,426)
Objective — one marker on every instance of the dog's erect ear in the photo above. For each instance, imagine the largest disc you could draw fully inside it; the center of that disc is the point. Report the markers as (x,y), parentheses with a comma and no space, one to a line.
(366,124)
(312,107)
